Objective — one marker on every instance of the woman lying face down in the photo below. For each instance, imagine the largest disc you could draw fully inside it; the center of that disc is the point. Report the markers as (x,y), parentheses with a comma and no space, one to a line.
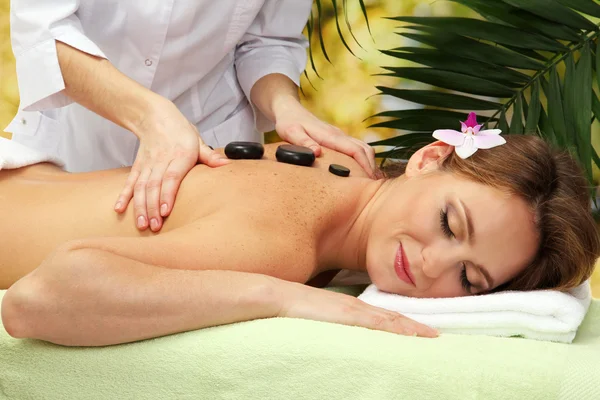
(244,238)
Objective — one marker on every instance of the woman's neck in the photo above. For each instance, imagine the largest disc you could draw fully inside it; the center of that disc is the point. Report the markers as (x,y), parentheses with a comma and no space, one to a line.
(344,243)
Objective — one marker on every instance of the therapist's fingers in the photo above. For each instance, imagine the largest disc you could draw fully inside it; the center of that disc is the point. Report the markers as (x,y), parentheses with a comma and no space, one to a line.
(369,151)
(350,146)
(153,192)
(139,199)
(172,177)
(178,169)
(127,192)
(296,134)
(315,135)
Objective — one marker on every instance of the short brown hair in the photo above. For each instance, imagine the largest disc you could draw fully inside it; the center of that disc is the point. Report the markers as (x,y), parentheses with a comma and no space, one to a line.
(553,185)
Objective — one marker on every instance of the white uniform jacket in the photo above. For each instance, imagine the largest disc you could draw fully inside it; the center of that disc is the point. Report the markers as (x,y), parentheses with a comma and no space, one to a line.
(204,55)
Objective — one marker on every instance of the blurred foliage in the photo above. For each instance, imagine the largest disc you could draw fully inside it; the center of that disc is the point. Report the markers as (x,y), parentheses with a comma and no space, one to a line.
(9,92)
(344,91)
(528,62)
(354,77)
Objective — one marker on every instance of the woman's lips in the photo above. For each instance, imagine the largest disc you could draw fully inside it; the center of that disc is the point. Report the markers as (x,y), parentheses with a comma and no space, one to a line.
(402,267)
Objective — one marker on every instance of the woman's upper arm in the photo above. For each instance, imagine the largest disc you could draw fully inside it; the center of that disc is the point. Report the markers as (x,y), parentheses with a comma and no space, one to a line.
(187,247)
(209,244)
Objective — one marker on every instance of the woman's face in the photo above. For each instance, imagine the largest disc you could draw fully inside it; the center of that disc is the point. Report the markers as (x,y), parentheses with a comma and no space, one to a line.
(436,234)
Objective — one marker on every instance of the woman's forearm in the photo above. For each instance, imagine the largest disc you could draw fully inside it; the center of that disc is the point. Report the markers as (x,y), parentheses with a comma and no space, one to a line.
(97,85)
(272,93)
(89,297)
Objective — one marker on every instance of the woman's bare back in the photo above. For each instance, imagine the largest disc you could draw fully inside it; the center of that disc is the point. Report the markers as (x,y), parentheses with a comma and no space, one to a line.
(244,210)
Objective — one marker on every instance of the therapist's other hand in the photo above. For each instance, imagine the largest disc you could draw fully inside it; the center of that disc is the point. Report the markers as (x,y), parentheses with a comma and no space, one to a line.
(170,147)
(296,125)
(301,301)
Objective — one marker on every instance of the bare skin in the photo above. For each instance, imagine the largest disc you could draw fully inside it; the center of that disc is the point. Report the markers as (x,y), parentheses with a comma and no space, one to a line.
(49,207)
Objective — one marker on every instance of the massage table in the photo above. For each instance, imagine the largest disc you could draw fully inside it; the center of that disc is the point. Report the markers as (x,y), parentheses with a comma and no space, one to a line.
(282,358)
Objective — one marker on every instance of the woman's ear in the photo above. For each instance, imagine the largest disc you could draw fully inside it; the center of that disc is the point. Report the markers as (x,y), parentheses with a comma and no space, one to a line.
(428,158)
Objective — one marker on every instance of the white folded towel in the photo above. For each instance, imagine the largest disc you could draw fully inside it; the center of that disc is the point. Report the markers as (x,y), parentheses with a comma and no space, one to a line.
(15,155)
(543,315)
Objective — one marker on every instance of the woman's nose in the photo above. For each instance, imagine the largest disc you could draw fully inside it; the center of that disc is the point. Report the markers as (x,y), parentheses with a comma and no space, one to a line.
(435,263)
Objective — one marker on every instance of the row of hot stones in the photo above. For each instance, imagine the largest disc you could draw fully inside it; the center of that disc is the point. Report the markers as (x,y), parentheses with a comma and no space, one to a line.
(286,153)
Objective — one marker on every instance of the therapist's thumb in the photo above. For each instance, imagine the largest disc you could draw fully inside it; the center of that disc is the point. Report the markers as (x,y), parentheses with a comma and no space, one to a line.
(207,156)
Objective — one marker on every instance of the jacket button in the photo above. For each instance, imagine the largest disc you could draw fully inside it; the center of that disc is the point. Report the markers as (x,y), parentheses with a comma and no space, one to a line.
(148,62)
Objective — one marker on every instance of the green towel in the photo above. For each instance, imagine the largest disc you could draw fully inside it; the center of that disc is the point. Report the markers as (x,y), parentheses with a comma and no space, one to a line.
(297,359)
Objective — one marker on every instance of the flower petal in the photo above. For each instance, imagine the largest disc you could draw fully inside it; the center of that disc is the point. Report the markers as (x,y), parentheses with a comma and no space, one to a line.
(489,132)
(449,136)
(465,152)
(471,120)
(476,129)
(488,141)
(463,127)
(467,149)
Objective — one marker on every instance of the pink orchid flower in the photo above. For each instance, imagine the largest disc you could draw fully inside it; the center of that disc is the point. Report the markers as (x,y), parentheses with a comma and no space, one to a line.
(471,138)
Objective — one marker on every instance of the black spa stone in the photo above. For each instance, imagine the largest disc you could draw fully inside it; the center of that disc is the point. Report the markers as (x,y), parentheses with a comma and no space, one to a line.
(297,155)
(339,170)
(244,151)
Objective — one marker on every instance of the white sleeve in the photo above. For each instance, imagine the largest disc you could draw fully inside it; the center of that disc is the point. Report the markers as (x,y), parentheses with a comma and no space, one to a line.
(35,25)
(273,44)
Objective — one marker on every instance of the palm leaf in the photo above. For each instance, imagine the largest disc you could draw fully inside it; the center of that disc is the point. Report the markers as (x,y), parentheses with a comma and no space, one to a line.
(435,59)
(553,11)
(516,123)
(472,49)
(437,99)
(452,80)
(321,42)
(309,27)
(518,17)
(533,114)
(538,56)
(425,114)
(545,126)
(407,140)
(485,30)
(321,12)
(585,6)
(403,145)
(348,25)
(337,25)
(582,107)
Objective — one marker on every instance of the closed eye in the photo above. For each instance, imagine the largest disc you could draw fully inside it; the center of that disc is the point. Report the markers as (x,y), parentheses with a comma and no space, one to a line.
(444,224)
(464,281)
(468,286)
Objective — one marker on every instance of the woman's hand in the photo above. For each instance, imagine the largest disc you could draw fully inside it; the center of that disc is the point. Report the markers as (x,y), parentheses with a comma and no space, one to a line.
(301,301)
(297,125)
(170,147)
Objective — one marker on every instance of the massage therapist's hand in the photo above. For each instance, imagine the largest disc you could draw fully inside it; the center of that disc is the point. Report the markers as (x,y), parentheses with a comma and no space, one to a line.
(297,125)
(170,147)
(301,301)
